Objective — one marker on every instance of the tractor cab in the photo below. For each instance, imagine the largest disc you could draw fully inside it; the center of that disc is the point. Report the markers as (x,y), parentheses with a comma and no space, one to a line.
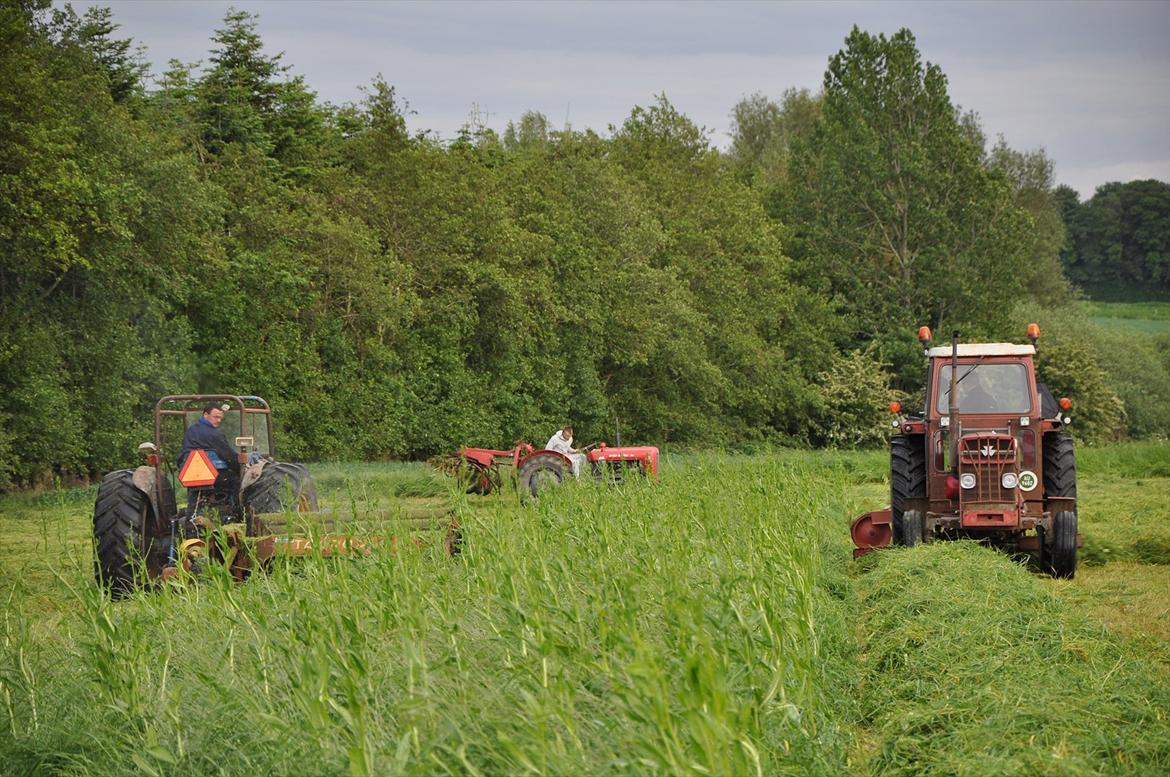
(210,482)
(996,405)
(247,422)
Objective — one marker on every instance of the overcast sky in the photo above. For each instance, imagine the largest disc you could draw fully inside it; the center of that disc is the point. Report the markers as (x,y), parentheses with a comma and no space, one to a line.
(1087,81)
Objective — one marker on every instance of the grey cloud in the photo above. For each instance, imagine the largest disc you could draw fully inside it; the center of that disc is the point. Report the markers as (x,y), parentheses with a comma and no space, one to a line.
(1088,81)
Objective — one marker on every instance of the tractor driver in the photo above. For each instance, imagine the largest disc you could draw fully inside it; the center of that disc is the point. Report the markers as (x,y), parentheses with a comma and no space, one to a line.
(206,434)
(562,442)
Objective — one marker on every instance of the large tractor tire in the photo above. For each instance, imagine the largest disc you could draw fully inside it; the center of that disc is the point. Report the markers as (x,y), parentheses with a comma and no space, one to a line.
(1060,465)
(123,540)
(1062,555)
(539,472)
(913,524)
(281,487)
(907,478)
(1060,480)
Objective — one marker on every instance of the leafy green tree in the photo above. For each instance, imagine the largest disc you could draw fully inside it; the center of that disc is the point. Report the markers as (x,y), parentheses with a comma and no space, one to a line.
(895,215)
(763,133)
(1067,203)
(1121,241)
(532,128)
(246,97)
(99,216)
(1030,174)
(855,394)
(122,65)
(756,339)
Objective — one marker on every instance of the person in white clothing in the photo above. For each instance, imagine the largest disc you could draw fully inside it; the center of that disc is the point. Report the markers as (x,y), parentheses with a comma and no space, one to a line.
(562,442)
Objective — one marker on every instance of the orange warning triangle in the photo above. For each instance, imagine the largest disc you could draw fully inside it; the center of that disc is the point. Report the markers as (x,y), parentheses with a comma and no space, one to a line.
(197,470)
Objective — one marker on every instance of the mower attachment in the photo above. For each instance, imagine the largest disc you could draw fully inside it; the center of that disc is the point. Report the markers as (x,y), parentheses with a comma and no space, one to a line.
(871,531)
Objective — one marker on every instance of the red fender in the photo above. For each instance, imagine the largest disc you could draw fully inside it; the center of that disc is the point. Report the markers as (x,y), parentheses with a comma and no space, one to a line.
(558,454)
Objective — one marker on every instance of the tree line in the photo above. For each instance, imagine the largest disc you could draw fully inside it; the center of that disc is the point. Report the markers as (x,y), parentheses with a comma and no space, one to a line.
(1118,241)
(219,228)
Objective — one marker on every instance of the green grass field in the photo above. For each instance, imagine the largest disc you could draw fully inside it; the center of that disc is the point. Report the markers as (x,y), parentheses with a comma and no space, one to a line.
(712,622)
(1151,318)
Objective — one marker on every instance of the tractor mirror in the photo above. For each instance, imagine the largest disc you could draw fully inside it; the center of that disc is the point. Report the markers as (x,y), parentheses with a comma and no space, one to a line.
(245,442)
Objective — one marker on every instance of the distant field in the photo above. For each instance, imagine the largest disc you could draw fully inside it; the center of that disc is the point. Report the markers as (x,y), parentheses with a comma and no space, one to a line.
(713,622)
(1144,317)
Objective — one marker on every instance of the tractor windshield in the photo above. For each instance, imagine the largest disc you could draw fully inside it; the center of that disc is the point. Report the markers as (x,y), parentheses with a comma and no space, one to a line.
(986,388)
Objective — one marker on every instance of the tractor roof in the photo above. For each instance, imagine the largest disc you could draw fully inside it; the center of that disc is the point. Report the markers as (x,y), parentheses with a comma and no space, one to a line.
(983,349)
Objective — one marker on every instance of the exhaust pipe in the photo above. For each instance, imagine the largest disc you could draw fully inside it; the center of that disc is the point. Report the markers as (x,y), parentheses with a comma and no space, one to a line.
(953,420)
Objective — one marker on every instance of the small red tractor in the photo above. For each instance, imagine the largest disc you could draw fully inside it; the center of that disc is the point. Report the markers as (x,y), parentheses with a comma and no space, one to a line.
(485,468)
(141,536)
(988,459)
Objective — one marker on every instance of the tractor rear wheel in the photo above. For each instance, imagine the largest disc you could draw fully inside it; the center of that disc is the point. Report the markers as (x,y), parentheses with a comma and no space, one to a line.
(1060,466)
(912,528)
(1063,553)
(538,473)
(122,540)
(281,487)
(907,478)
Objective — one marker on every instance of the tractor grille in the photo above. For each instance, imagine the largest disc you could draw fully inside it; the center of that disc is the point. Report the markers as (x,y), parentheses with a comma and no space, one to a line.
(987,456)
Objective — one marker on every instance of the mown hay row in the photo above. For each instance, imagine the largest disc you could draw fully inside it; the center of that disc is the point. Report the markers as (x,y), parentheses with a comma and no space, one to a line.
(971,666)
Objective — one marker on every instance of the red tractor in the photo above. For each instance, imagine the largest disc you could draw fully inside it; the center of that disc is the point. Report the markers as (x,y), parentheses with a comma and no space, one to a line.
(988,459)
(536,470)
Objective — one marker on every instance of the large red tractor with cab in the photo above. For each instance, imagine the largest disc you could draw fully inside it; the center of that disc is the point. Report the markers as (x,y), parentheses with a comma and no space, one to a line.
(988,458)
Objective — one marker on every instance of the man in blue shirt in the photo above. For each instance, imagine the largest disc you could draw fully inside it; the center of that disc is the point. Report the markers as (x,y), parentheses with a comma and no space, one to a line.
(206,434)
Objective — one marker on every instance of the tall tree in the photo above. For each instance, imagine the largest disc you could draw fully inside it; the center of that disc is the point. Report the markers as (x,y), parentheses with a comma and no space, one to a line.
(763,133)
(746,366)
(1030,174)
(894,211)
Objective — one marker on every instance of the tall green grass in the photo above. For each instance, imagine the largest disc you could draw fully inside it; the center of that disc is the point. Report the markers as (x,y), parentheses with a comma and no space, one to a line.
(664,627)
(708,623)
(1133,460)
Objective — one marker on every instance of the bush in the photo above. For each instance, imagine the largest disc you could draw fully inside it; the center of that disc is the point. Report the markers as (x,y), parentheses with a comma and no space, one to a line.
(1068,361)
(1138,373)
(856,393)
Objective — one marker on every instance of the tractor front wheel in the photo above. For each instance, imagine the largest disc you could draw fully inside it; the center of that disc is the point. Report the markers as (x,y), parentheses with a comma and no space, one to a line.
(539,472)
(122,540)
(1060,480)
(1063,553)
(913,523)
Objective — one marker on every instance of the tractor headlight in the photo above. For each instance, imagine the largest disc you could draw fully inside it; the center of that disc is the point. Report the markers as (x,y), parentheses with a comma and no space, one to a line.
(967,480)
(1009,480)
